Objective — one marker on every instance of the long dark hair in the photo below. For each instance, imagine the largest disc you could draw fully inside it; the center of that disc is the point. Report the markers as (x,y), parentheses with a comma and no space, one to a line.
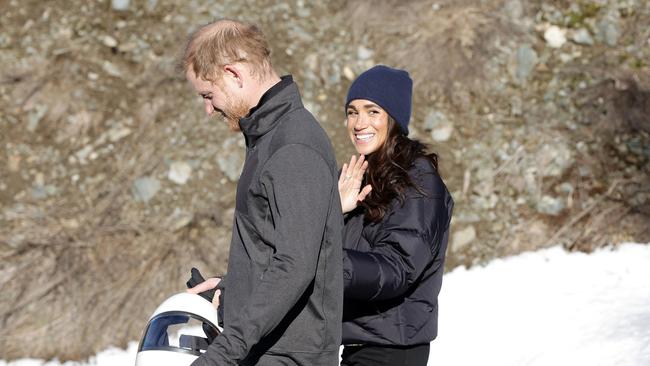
(388,169)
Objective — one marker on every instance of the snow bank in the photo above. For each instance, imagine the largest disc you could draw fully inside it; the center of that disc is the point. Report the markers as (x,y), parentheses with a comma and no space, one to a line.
(547,307)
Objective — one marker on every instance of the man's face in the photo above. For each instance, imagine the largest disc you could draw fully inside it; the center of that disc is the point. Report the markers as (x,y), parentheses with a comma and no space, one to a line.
(220,98)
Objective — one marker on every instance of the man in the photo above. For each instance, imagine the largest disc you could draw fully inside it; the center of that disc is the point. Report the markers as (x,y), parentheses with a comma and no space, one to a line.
(283,291)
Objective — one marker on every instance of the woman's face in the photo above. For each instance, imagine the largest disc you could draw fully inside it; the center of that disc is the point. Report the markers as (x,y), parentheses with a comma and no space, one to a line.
(367,125)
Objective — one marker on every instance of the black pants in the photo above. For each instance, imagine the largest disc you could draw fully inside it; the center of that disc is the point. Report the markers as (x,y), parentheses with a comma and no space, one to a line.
(385,355)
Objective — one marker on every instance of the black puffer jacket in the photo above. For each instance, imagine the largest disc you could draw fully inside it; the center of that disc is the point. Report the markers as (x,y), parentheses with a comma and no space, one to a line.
(393,270)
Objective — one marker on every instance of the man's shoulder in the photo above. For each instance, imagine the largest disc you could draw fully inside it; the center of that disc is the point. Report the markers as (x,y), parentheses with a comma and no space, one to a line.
(301,127)
(300,122)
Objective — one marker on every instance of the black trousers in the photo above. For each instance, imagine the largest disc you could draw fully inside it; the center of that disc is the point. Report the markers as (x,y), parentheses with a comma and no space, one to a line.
(367,355)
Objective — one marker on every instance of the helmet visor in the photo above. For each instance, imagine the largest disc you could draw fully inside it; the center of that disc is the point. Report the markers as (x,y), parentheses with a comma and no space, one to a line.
(179,332)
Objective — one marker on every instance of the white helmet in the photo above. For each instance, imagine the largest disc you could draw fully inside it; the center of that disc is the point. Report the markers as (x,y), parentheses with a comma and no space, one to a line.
(180,329)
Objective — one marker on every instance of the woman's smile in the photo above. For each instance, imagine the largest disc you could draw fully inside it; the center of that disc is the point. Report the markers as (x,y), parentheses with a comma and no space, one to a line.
(367,125)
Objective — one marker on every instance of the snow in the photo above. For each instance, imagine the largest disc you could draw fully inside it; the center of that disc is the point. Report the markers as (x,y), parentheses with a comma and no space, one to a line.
(547,307)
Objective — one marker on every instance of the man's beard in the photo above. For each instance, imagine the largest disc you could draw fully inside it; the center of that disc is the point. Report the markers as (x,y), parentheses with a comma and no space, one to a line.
(233,112)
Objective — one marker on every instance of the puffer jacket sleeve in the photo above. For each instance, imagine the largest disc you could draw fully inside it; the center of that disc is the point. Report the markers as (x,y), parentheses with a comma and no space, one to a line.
(406,243)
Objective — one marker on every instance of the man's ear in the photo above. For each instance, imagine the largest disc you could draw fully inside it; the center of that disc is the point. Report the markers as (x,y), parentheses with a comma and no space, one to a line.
(234,72)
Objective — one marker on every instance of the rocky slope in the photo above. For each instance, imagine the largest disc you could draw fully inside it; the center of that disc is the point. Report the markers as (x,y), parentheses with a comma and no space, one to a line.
(113,183)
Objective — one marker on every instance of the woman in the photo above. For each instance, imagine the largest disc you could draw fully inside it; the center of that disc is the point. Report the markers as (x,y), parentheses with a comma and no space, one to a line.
(396,227)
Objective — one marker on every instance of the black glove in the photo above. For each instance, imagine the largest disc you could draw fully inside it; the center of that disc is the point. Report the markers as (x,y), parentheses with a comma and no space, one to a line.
(195,280)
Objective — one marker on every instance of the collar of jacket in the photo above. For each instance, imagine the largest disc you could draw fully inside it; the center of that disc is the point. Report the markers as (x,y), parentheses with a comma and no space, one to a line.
(276,102)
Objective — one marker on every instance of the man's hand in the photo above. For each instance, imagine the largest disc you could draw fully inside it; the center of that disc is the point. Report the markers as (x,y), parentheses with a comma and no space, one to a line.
(207,285)
(205,288)
(350,183)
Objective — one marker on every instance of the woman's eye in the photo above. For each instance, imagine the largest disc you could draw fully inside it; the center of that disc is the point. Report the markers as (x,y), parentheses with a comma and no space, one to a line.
(350,113)
(373,112)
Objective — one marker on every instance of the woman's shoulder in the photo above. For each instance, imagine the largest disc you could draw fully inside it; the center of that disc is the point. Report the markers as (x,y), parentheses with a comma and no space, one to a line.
(423,165)
(425,175)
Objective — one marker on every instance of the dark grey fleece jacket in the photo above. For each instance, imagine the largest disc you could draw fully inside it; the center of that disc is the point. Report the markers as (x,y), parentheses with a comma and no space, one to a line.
(284,288)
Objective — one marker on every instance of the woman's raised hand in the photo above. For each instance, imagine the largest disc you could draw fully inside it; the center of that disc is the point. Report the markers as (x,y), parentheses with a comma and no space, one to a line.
(350,183)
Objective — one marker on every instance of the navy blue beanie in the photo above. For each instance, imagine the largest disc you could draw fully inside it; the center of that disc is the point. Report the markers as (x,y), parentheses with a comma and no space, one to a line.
(390,88)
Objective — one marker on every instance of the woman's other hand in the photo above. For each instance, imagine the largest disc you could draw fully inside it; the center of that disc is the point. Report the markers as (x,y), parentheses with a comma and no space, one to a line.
(350,183)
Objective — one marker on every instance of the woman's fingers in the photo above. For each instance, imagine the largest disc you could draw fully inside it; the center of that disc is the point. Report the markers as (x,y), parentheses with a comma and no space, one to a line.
(349,174)
(360,161)
(344,172)
(362,170)
(349,171)
(350,180)
(364,192)
(357,163)
(358,168)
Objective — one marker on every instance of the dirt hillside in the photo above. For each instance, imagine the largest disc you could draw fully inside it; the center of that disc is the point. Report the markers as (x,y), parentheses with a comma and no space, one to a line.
(113,183)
